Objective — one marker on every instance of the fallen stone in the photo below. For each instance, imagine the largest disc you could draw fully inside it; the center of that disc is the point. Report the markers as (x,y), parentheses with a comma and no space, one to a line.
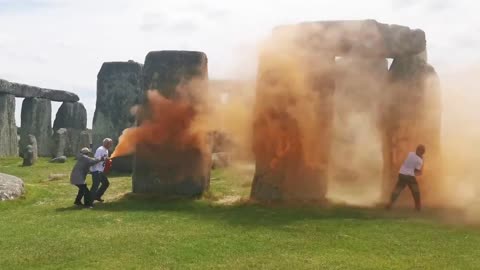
(60,159)
(11,187)
(57,176)
(27,91)
(8,129)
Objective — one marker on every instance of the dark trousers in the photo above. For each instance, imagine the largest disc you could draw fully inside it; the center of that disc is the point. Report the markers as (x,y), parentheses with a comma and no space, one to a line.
(411,182)
(100,184)
(84,193)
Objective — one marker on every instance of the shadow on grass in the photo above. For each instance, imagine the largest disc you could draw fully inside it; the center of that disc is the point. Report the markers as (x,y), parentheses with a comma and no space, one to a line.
(250,214)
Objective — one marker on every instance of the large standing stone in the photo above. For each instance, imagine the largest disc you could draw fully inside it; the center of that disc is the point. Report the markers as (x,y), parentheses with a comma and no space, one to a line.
(37,120)
(8,129)
(71,115)
(11,187)
(163,169)
(292,124)
(412,117)
(118,91)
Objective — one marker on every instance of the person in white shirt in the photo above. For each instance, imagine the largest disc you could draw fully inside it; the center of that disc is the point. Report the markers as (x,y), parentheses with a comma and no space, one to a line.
(412,167)
(98,176)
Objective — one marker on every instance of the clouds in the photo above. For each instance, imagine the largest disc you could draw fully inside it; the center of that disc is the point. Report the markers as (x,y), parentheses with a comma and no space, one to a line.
(62,43)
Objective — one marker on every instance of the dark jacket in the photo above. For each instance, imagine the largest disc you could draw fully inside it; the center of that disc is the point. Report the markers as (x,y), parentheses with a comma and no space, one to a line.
(81,169)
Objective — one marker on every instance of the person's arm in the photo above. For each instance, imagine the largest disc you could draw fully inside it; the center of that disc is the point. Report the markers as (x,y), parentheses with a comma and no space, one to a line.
(419,168)
(93,161)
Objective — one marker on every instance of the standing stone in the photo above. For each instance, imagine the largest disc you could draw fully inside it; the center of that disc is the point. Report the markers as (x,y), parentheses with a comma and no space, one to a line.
(30,152)
(59,143)
(71,115)
(292,124)
(85,140)
(37,120)
(69,142)
(8,129)
(118,91)
(163,169)
(412,117)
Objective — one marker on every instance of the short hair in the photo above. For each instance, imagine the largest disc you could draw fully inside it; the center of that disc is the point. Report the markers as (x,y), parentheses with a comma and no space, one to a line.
(85,151)
(421,148)
(107,140)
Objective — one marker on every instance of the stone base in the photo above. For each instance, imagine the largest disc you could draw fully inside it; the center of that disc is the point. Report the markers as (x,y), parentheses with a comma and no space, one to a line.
(289,184)
(171,172)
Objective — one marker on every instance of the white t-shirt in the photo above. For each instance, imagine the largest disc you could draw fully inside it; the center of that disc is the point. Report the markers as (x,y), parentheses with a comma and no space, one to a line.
(411,163)
(101,152)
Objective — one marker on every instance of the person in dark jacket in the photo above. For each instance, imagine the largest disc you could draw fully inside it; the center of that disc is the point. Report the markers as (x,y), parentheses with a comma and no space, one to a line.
(79,174)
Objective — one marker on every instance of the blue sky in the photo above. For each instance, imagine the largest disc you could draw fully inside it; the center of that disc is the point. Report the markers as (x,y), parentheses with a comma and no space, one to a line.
(61,44)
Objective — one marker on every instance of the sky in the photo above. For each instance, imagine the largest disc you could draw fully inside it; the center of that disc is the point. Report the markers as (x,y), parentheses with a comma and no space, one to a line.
(61,44)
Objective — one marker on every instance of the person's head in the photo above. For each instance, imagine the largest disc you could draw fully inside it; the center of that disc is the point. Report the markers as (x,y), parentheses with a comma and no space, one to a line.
(107,143)
(420,150)
(85,151)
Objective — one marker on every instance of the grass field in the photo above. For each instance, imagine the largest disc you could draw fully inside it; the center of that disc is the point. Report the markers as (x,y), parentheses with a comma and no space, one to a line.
(43,230)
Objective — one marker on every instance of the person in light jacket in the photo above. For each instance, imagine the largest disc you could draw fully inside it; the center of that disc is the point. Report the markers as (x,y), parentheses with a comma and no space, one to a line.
(79,174)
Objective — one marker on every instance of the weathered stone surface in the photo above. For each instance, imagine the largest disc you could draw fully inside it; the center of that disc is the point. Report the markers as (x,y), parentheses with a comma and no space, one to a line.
(8,129)
(60,159)
(361,37)
(27,91)
(30,151)
(11,187)
(415,120)
(37,120)
(123,164)
(359,87)
(118,91)
(71,115)
(69,141)
(292,154)
(59,142)
(163,169)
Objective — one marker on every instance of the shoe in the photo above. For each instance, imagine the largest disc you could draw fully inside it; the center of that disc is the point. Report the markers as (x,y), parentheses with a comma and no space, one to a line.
(78,203)
(99,200)
(89,206)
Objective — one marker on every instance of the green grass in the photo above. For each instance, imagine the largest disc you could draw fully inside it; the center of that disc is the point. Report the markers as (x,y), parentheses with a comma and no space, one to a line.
(44,231)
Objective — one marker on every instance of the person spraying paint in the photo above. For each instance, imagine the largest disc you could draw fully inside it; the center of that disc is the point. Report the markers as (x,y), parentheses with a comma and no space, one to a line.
(411,167)
(100,181)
